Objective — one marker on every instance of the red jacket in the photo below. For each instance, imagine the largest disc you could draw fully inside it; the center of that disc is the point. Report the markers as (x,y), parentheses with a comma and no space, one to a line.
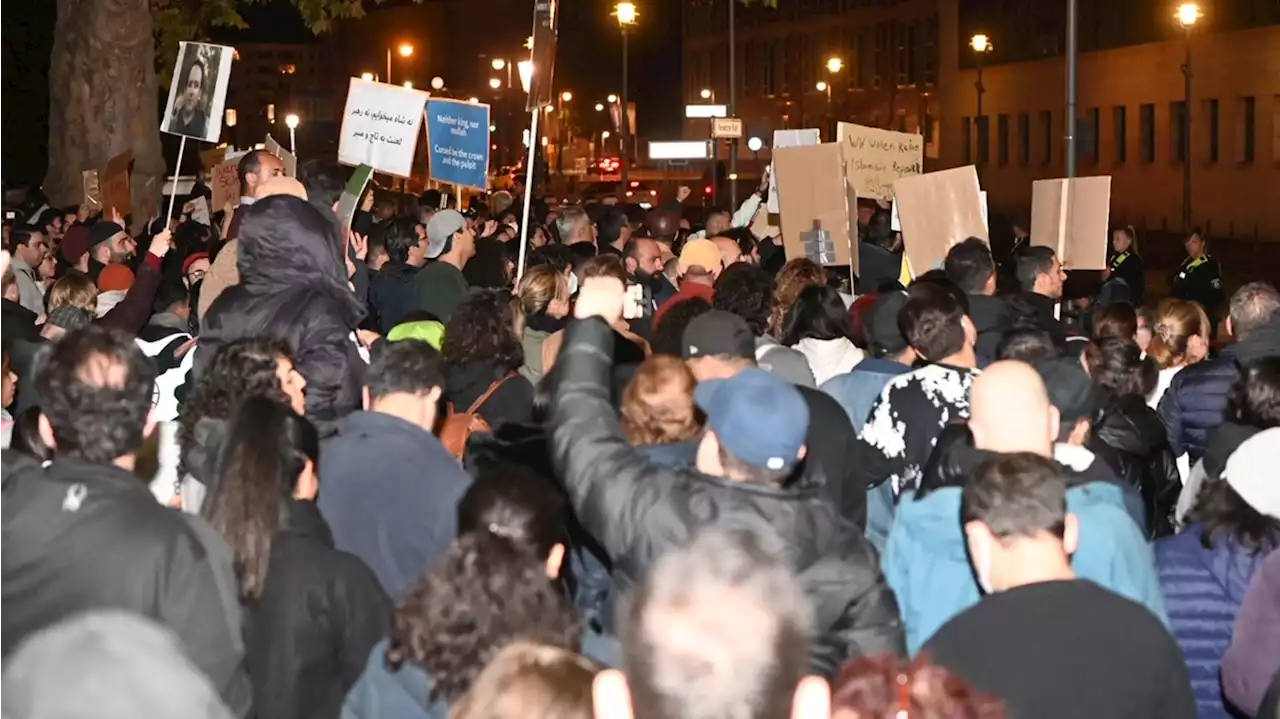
(688,290)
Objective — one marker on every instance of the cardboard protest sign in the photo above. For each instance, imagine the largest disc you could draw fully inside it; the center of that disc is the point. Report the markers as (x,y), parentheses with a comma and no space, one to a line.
(380,126)
(92,189)
(288,159)
(1071,216)
(349,202)
(115,184)
(815,197)
(877,158)
(938,210)
(198,92)
(225,184)
(210,158)
(198,210)
(458,138)
(895,223)
(783,139)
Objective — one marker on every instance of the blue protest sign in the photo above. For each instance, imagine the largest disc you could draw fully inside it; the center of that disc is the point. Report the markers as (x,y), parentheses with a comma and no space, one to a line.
(458,134)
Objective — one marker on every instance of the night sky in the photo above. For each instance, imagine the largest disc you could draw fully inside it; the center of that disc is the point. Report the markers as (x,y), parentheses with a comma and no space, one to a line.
(588,62)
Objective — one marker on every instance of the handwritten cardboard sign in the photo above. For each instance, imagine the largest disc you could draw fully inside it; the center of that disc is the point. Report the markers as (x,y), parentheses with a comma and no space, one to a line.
(92,189)
(878,158)
(115,184)
(380,126)
(815,198)
(939,210)
(225,184)
(783,139)
(1071,217)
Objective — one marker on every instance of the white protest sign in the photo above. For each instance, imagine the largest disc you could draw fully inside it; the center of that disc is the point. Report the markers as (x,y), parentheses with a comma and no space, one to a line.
(783,139)
(877,158)
(380,126)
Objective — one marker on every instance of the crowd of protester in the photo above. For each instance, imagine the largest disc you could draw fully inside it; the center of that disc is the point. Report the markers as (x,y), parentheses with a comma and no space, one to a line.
(281,466)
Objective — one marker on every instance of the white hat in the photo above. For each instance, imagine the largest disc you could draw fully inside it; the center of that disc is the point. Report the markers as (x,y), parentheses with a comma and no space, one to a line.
(1251,472)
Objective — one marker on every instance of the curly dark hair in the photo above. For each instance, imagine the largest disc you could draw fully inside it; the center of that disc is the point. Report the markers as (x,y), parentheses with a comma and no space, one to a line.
(1117,365)
(483,329)
(484,593)
(95,385)
(668,337)
(1221,509)
(746,291)
(239,370)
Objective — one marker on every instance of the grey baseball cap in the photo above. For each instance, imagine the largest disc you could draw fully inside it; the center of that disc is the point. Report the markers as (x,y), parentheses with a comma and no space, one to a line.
(442,225)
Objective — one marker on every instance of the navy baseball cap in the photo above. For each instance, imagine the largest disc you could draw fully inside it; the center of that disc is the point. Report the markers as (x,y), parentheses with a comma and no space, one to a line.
(758,417)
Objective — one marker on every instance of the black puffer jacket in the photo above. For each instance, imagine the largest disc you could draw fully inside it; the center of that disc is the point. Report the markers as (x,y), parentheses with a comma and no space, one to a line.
(293,287)
(990,317)
(310,633)
(638,510)
(1130,438)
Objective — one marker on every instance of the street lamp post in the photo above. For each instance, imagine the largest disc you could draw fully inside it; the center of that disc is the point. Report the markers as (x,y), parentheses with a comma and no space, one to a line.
(825,88)
(291,122)
(563,121)
(405,50)
(1187,15)
(981,45)
(834,66)
(626,14)
(500,64)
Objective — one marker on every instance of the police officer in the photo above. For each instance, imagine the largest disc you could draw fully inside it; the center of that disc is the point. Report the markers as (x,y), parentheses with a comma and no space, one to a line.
(1199,278)
(1124,263)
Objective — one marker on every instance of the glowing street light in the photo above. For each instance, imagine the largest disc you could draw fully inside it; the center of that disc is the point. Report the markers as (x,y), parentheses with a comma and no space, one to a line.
(437,83)
(498,63)
(1188,13)
(980,43)
(706,94)
(566,96)
(366,76)
(821,86)
(835,64)
(474,100)
(755,144)
(405,49)
(625,12)
(495,83)
(599,107)
(613,99)
(408,85)
(605,135)
(291,122)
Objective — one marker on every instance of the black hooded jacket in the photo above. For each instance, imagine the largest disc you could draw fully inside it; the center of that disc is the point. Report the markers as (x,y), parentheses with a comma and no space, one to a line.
(1131,439)
(637,510)
(293,287)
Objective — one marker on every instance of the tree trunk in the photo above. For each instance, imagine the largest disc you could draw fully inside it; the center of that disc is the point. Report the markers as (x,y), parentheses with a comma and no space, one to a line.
(103,101)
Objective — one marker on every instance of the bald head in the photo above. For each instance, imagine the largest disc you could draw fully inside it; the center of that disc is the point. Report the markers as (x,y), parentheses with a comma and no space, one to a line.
(281,185)
(1010,410)
(664,224)
(730,253)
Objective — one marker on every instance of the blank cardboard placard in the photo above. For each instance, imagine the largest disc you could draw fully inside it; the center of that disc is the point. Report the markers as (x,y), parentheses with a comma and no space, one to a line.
(783,139)
(115,184)
(812,189)
(288,159)
(938,210)
(878,158)
(1071,216)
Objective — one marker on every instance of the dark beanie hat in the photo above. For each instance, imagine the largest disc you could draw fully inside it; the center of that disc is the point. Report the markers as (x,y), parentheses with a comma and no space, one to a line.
(101,232)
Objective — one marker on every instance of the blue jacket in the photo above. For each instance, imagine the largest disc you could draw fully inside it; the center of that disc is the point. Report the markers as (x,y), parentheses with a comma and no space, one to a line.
(402,516)
(1203,589)
(927,564)
(856,391)
(1195,400)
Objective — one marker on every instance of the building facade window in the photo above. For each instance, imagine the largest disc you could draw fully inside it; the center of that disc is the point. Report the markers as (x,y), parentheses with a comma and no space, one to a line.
(1119,118)
(1211,127)
(1178,130)
(967,128)
(1046,129)
(1002,139)
(1093,132)
(1248,128)
(984,139)
(1024,138)
(1147,131)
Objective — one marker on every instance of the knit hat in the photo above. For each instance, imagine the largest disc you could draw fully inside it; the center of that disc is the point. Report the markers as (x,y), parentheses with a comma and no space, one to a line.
(102,232)
(1251,472)
(69,317)
(193,258)
(428,331)
(75,243)
(115,277)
